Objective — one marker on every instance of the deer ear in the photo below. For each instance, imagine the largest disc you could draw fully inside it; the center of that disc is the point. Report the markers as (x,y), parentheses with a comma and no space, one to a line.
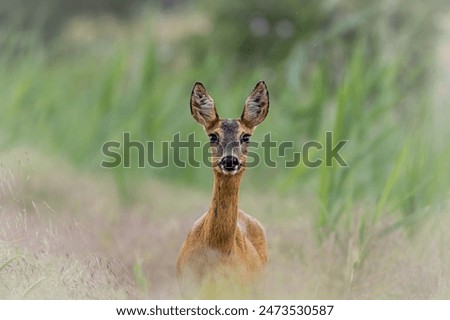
(256,106)
(202,106)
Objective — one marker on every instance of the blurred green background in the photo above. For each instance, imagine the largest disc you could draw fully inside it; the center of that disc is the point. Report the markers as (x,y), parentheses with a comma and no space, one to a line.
(75,74)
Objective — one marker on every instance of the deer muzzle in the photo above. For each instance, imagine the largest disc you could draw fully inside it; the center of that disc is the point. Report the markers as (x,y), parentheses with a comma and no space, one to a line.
(230,164)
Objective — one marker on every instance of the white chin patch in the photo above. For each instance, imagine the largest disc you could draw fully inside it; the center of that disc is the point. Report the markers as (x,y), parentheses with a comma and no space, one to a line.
(230,172)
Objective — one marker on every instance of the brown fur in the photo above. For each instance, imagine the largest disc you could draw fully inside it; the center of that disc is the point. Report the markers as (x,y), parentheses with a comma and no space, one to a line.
(225,243)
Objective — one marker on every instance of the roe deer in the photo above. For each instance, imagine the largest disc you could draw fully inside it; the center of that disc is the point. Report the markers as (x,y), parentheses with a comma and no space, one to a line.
(225,243)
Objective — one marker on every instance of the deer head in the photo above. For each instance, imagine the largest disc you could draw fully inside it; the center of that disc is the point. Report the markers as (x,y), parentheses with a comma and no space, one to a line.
(229,138)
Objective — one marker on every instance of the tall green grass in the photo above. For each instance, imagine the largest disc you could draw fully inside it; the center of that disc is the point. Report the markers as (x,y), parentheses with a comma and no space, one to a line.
(69,98)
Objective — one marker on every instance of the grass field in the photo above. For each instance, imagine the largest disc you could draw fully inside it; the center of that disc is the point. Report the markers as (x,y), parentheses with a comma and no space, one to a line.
(373,230)
(68,236)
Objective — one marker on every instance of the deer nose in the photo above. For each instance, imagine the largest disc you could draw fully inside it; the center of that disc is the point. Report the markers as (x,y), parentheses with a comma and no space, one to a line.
(230,163)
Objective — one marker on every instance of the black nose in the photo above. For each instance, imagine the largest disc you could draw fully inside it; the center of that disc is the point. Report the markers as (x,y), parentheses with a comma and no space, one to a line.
(230,163)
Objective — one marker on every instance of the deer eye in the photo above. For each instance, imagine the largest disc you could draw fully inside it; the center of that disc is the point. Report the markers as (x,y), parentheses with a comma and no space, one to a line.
(245,138)
(213,138)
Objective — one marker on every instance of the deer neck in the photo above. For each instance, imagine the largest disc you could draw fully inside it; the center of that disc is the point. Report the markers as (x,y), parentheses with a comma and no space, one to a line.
(221,222)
